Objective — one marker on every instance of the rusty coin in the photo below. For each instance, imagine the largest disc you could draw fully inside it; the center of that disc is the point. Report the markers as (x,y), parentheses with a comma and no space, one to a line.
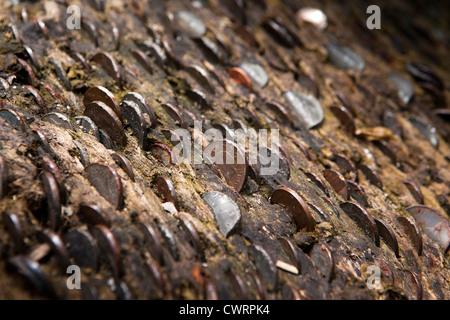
(105,179)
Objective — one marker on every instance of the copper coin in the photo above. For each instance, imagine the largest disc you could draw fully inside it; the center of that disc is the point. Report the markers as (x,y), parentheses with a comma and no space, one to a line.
(107,182)
(166,190)
(337,181)
(82,248)
(13,118)
(134,118)
(292,252)
(357,192)
(363,220)
(106,119)
(265,266)
(415,190)
(51,190)
(229,159)
(125,164)
(433,223)
(102,94)
(93,215)
(143,104)
(295,205)
(108,245)
(388,235)
(240,77)
(30,76)
(110,65)
(412,232)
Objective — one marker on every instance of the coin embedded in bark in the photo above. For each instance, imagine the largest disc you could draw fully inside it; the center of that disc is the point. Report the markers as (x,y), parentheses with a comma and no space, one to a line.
(391,122)
(152,240)
(105,139)
(240,77)
(82,248)
(415,190)
(13,118)
(166,190)
(317,181)
(88,126)
(337,181)
(433,223)
(201,76)
(323,259)
(93,215)
(52,193)
(57,246)
(108,245)
(32,272)
(134,117)
(346,165)
(412,232)
(143,104)
(414,286)
(346,118)
(162,153)
(106,119)
(295,205)
(14,228)
(271,163)
(192,231)
(305,108)
(195,26)
(229,159)
(405,88)
(281,33)
(357,192)
(363,220)
(102,94)
(388,235)
(37,97)
(58,119)
(256,73)
(265,266)
(143,60)
(107,182)
(226,211)
(371,175)
(314,16)
(199,98)
(125,164)
(343,57)
(110,65)
(428,131)
(3,177)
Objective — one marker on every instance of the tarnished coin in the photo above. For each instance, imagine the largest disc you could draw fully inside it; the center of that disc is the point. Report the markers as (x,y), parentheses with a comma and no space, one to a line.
(363,220)
(412,232)
(108,245)
(226,211)
(82,248)
(125,164)
(88,126)
(102,94)
(110,65)
(295,205)
(166,190)
(58,119)
(3,177)
(265,265)
(388,235)
(14,228)
(143,104)
(13,118)
(51,190)
(106,119)
(306,109)
(134,117)
(229,159)
(337,181)
(93,215)
(433,223)
(323,259)
(107,182)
